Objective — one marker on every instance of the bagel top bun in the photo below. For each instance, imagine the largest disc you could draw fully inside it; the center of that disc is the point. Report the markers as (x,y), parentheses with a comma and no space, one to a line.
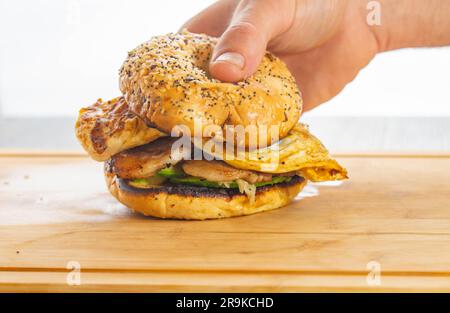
(166,82)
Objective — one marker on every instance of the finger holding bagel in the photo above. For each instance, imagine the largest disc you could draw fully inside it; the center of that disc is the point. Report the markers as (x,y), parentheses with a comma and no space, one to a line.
(166,82)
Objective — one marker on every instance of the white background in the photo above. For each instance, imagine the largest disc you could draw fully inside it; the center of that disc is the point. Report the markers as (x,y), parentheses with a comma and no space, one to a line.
(57,56)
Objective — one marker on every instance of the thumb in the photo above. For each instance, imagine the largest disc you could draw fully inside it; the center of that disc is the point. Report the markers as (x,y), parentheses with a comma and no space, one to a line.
(244,42)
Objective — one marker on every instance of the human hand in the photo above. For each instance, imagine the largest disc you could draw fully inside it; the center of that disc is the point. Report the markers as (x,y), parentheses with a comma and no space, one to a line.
(325,43)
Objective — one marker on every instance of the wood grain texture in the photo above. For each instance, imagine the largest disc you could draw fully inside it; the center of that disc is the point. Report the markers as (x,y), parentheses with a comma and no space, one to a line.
(393,210)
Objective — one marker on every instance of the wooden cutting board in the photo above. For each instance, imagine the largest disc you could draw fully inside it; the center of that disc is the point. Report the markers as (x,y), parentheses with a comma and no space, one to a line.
(385,229)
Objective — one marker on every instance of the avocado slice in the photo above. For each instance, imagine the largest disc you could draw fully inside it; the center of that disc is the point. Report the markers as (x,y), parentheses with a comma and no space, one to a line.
(175,175)
(171,172)
(196,181)
(275,180)
(145,183)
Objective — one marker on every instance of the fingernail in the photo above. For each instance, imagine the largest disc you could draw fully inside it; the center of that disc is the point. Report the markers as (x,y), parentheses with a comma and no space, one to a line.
(234,58)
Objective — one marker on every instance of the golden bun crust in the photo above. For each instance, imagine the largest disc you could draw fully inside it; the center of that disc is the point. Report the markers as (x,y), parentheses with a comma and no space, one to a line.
(107,128)
(198,203)
(166,82)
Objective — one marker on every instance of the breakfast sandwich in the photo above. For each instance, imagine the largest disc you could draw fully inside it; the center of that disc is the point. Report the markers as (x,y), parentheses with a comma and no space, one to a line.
(181,144)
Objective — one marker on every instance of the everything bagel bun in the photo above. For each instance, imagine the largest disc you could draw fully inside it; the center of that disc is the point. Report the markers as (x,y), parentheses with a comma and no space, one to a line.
(200,203)
(165,81)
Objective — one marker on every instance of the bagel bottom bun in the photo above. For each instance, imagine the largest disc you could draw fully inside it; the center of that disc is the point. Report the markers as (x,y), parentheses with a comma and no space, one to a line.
(200,203)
